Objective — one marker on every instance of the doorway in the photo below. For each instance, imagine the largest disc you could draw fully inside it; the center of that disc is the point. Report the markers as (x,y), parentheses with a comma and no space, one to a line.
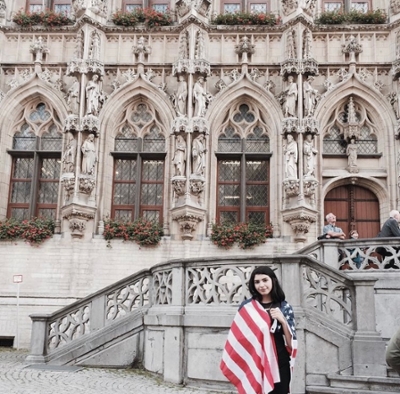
(355,207)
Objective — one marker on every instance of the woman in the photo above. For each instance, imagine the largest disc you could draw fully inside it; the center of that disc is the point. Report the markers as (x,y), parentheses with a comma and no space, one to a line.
(259,354)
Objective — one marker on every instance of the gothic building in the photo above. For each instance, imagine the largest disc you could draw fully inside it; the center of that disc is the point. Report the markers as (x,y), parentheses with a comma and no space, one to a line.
(189,124)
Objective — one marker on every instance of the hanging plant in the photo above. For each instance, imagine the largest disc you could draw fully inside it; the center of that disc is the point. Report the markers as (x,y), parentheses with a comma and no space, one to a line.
(34,231)
(246,18)
(46,18)
(246,235)
(375,17)
(142,231)
(148,16)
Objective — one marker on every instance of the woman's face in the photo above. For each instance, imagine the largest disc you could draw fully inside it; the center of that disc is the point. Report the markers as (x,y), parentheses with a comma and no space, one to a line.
(263,284)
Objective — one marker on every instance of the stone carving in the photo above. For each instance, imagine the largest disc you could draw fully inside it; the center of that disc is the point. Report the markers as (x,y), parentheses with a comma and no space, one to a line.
(291,52)
(188,224)
(179,186)
(89,159)
(180,124)
(141,49)
(289,107)
(69,156)
(95,46)
(310,96)
(199,125)
(184,45)
(395,6)
(199,155)
(352,47)
(309,7)
(68,181)
(291,187)
(352,129)
(86,184)
(200,45)
(328,85)
(269,85)
(234,75)
(220,85)
(343,74)
(289,6)
(309,153)
(2,9)
(179,159)
(244,48)
(129,75)
(38,49)
(196,186)
(291,153)
(80,39)
(255,74)
(307,44)
(149,74)
(73,98)
(351,152)
(199,97)
(181,96)
(310,187)
(93,96)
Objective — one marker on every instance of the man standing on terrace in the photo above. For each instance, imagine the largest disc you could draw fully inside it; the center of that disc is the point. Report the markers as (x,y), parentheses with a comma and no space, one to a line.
(391,227)
(331,230)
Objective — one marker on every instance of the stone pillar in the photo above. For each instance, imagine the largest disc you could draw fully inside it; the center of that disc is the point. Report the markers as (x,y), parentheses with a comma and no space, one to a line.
(38,339)
(368,346)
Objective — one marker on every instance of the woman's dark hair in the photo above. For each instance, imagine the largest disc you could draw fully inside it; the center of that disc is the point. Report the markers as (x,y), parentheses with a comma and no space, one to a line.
(277,293)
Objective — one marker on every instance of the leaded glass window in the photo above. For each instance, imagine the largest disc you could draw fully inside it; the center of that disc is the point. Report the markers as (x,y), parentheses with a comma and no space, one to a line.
(139,159)
(36,165)
(258,8)
(333,5)
(361,6)
(243,167)
(231,8)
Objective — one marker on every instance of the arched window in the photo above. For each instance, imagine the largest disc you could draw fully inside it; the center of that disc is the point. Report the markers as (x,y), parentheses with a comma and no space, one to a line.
(35,172)
(243,167)
(59,6)
(139,158)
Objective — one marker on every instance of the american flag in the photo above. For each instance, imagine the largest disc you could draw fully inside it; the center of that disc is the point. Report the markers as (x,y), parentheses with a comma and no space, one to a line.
(249,359)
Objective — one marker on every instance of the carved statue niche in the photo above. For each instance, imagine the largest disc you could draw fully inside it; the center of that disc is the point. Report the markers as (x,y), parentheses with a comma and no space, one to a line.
(289,105)
(291,51)
(69,156)
(199,155)
(291,154)
(89,156)
(179,159)
(95,46)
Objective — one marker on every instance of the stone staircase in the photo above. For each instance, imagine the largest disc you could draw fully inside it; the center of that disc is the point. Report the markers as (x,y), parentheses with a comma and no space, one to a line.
(339,384)
(174,319)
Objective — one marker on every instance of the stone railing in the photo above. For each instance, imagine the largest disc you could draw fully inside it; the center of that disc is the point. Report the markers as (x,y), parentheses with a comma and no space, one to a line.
(361,254)
(176,291)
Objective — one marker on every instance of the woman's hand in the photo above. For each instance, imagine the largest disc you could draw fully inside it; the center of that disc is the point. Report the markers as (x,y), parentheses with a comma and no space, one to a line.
(277,314)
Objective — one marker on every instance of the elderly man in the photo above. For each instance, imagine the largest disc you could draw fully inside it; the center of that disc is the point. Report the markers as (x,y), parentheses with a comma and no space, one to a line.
(391,227)
(393,352)
(331,230)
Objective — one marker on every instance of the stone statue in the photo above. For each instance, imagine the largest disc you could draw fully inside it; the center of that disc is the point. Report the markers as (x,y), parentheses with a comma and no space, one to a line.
(73,99)
(69,156)
(95,46)
(199,49)
(181,96)
(351,153)
(290,45)
(179,159)
(310,96)
(309,153)
(200,97)
(289,107)
(93,96)
(199,155)
(89,155)
(291,156)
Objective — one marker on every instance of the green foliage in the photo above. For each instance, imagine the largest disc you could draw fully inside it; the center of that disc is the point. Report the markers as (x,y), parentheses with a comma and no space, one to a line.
(46,18)
(246,18)
(352,17)
(34,231)
(142,231)
(246,235)
(149,16)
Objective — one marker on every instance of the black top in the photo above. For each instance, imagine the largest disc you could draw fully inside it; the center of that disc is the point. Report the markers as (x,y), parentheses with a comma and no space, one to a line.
(283,355)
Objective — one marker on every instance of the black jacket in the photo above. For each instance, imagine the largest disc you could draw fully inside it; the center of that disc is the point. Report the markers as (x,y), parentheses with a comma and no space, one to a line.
(390,228)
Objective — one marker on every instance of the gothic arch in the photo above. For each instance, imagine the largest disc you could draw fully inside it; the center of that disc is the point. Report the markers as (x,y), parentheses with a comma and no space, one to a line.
(140,90)
(373,185)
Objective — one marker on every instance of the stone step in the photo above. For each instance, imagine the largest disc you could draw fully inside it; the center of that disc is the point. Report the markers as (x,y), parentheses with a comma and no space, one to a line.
(370,384)
(336,390)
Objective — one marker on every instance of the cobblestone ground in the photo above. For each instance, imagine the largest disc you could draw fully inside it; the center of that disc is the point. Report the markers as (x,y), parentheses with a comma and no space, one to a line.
(17,377)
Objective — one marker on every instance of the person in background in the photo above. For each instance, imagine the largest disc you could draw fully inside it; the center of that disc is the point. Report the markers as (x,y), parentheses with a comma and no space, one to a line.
(331,230)
(393,352)
(391,227)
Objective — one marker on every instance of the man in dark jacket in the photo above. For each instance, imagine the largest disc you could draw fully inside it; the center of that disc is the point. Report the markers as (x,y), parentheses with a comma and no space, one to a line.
(391,227)
(393,352)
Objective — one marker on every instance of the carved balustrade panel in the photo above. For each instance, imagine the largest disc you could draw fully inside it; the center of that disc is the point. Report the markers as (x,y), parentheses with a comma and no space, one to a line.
(217,285)
(127,298)
(327,295)
(69,327)
(162,286)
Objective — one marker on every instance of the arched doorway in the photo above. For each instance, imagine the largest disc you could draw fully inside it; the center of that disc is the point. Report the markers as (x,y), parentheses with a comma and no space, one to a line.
(355,207)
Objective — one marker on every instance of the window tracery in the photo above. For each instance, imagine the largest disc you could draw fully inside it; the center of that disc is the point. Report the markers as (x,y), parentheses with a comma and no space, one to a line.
(243,167)
(335,140)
